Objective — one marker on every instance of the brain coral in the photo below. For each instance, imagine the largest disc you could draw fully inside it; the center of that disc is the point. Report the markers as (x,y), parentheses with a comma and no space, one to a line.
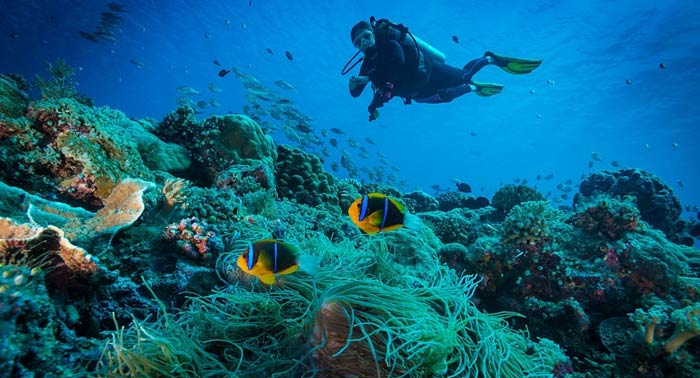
(655,200)
(508,196)
(300,176)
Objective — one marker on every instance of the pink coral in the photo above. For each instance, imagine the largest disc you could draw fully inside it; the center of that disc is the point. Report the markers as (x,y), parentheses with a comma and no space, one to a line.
(191,236)
(606,220)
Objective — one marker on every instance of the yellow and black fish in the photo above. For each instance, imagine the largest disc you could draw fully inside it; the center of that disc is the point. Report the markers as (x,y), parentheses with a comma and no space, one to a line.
(269,257)
(377,212)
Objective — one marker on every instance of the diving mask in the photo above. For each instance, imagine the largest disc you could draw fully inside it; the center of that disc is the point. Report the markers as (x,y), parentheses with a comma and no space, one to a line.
(364,41)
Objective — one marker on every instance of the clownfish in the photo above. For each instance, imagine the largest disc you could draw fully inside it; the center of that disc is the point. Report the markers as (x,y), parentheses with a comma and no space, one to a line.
(377,212)
(269,257)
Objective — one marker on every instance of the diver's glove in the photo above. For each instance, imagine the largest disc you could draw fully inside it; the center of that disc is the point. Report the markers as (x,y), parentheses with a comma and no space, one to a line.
(357,81)
(373,114)
(382,95)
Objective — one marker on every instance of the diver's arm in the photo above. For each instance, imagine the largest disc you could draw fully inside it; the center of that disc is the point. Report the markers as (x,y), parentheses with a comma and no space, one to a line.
(357,84)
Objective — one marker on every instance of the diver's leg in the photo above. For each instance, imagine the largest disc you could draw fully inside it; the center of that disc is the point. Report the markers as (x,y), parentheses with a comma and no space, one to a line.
(447,94)
(471,68)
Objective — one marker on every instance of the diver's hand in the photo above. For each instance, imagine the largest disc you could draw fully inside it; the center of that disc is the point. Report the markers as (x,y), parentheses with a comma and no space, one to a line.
(358,81)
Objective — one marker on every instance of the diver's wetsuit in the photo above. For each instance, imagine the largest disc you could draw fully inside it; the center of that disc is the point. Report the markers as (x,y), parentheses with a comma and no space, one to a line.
(447,83)
(412,76)
(389,62)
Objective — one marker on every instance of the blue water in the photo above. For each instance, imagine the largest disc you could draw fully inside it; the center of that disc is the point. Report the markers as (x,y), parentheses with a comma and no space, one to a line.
(590,49)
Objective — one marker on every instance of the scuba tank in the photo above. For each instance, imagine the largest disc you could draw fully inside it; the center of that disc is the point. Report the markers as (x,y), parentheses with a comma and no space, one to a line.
(428,50)
(400,33)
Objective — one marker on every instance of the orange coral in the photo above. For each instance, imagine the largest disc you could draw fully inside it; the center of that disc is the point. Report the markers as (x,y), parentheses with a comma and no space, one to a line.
(122,207)
(29,243)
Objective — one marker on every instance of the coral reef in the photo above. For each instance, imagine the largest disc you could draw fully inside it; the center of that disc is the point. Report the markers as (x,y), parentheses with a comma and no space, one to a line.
(655,200)
(39,246)
(69,150)
(300,176)
(508,196)
(454,226)
(32,340)
(194,238)
(219,143)
(471,291)
(419,202)
(610,218)
(13,100)
(456,200)
(528,224)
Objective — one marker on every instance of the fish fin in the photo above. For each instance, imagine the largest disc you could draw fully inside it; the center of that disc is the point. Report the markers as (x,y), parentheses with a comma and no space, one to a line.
(309,263)
(392,228)
(412,222)
(375,219)
(369,229)
(242,263)
(289,270)
(267,278)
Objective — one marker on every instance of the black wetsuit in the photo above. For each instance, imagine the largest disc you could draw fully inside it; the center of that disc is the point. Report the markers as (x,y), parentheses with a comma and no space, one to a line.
(390,62)
(399,70)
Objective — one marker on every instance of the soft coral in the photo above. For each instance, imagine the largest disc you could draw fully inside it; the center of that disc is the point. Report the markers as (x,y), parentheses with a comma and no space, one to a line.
(687,326)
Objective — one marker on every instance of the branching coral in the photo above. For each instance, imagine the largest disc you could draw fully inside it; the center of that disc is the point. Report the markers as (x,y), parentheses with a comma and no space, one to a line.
(193,237)
(175,195)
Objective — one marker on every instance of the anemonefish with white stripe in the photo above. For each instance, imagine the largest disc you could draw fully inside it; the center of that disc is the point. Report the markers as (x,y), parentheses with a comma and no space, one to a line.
(377,212)
(269,257)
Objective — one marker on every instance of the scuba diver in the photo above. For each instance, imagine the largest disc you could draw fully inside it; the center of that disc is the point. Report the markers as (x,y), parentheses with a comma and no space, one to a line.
(399,64)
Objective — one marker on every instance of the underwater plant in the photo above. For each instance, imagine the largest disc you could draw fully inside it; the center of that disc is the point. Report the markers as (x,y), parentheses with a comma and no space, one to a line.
(60,83)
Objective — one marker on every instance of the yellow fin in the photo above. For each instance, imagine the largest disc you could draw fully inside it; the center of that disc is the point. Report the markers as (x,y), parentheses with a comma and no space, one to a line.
(289,270)
(375,219)
(267,278)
